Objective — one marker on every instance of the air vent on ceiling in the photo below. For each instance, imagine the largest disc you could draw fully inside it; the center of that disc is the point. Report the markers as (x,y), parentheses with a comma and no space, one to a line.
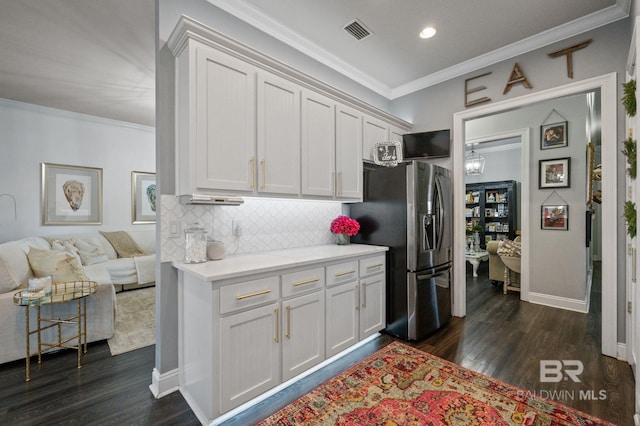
(357,29)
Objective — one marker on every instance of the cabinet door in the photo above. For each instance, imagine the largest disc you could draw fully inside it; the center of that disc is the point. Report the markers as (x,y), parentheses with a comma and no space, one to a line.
(348,153)
(225,121)
(318,144)
(278,135)
(373,131)
(303,334)
(342,317)
(395,134)
(372,305)
(249,355)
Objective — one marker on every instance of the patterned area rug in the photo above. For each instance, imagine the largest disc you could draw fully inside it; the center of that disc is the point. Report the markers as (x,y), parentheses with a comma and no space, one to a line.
(401,385)
(135,320)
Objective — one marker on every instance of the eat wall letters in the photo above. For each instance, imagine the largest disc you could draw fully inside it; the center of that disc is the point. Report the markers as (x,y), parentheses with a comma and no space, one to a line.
(518,76)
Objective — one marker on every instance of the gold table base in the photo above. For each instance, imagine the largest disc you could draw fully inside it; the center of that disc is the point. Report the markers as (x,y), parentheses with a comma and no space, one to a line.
(60,292)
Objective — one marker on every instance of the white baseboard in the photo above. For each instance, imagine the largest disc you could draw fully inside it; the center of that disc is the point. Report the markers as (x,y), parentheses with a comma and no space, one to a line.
(577,305)
(622,351)
(164,384)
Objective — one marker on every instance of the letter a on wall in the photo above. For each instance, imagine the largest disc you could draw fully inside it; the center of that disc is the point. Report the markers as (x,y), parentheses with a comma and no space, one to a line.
(517,76)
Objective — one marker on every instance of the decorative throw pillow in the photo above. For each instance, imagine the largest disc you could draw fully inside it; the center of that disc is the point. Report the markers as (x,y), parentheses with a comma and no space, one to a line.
(61,266)
(509,248)
(123,244)
(90,254)
(67,246)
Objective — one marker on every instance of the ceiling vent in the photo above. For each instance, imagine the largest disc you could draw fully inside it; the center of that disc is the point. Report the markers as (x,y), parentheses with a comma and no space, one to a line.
(357,29)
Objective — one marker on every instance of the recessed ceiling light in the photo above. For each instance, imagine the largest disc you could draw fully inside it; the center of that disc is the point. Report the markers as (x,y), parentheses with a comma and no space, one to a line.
(428,32)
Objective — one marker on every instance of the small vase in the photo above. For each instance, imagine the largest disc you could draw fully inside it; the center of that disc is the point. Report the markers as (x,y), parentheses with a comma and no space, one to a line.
(476,241)
(343,239)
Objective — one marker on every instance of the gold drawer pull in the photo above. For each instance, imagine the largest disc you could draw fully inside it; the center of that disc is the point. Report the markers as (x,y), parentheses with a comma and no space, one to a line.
(288,334)
(375,266)
(276,338)
(257,293)
(313,280)
(345,273)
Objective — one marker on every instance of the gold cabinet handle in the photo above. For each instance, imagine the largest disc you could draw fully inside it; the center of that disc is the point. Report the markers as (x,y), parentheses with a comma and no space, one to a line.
(262,169)
(288,334)
(377,265)
(312,280)
(364,295)
(252,160)
(345,273)
(277,312)
(335,185)
(340,182)
(257,293)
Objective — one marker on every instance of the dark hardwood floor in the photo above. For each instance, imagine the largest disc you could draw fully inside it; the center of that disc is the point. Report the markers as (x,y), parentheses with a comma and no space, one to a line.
(501,337)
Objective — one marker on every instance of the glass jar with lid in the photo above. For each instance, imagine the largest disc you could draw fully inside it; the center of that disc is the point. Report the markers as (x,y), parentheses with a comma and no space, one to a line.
(195,244)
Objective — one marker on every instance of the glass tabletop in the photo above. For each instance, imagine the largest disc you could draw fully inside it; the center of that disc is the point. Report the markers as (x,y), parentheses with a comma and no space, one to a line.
(59,292)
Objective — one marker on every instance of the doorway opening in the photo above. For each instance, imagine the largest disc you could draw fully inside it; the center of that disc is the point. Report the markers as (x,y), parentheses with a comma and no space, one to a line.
(494,205)
(606,86)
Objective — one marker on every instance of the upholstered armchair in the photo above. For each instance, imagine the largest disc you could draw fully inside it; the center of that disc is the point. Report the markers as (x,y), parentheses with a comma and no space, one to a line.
(496,266)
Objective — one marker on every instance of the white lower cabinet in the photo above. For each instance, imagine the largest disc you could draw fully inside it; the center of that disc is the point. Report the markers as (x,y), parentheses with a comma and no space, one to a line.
(241,337)
(249,355)
(303,334)
(356,304)
(342,317)
(372,307)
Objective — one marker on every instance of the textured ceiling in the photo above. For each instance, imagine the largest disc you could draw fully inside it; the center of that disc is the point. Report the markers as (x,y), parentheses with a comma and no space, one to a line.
(97,57)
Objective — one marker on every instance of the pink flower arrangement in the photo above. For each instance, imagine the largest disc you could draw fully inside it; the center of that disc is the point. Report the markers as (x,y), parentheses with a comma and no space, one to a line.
(345,225)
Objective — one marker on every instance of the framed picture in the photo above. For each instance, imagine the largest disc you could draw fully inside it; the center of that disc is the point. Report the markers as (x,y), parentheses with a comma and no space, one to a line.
(71,195)
(553,135)
(143,197)
(555,217)
(555,173)
(387,153)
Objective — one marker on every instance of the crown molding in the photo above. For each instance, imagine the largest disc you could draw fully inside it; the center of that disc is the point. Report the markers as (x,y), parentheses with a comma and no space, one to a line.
(545,38)
(254,17)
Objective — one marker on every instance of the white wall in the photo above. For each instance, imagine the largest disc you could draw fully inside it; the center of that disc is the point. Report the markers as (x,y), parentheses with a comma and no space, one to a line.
(433,108)
(558,258)
(33,134)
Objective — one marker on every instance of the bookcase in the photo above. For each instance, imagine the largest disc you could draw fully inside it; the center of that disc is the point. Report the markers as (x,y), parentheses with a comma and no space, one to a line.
(492,206)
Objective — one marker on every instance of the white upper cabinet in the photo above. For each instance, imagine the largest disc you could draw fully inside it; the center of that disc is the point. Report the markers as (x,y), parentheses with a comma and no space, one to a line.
(373,131)
(348,153)
(248,124)
(395,134)
(331,148)
(225,122)
(278,154)
(318,144)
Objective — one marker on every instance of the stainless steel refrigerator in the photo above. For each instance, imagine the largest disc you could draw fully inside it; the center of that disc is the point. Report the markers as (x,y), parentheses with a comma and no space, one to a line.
(408,209)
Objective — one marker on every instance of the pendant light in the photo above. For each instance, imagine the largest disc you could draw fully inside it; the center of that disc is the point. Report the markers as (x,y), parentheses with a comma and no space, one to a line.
(474,163)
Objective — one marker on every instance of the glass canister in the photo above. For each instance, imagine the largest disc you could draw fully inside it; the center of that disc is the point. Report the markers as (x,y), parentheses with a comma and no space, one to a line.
(195,244)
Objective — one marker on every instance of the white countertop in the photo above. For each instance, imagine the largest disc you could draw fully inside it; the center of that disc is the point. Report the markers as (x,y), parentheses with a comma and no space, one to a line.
(247,264)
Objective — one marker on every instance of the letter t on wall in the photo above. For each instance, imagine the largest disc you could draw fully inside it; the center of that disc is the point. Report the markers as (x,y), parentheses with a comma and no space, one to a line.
(569,52)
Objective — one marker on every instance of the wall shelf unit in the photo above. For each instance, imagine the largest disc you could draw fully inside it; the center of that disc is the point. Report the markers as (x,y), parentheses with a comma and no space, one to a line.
(492,206)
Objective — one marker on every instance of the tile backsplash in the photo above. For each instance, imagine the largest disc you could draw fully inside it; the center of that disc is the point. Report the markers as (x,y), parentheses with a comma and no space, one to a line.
(267,224)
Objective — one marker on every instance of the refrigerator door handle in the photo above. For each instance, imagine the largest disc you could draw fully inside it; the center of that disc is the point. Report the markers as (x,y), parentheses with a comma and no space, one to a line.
(439,213)
(426,223)
(434,272)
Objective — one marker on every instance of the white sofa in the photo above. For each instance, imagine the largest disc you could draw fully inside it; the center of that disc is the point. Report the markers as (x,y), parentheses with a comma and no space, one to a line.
(112,275)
